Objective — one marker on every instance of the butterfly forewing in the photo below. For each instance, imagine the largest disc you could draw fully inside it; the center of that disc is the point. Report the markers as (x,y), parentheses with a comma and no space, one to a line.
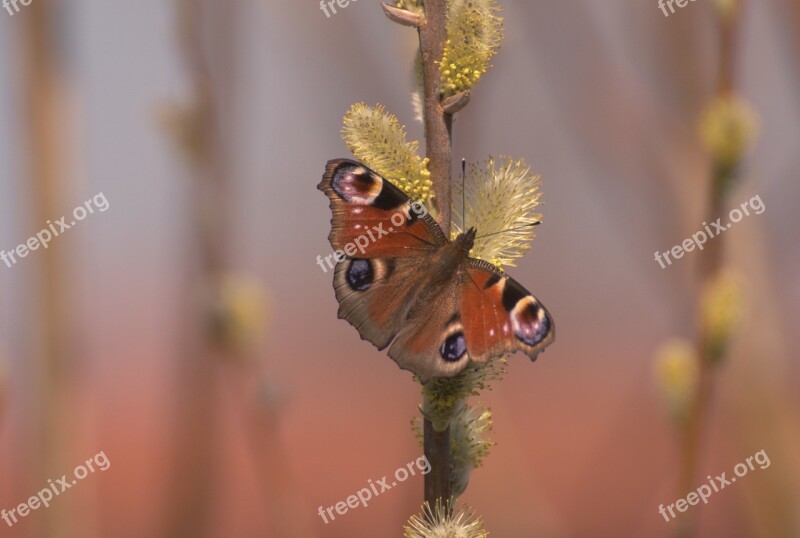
(373,218)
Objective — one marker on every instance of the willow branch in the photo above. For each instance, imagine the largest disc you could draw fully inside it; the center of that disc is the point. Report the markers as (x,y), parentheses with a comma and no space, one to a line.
(438,123)
(438,149)
(196,451)
(43,88)
(710,267)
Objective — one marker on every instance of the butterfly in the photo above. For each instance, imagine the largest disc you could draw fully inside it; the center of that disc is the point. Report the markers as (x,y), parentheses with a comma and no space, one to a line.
(399,280)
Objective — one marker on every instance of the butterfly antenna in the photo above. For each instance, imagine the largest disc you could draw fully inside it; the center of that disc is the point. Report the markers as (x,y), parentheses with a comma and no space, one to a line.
(511,229)
(463,194)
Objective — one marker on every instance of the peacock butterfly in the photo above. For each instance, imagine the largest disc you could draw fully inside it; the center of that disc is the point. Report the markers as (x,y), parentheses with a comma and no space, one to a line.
(413,288)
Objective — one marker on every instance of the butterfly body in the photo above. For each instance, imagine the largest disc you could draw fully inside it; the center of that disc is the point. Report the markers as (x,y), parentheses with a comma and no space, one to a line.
(399,280)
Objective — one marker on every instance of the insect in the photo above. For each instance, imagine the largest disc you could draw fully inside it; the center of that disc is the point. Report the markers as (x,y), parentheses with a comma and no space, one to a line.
(411,289)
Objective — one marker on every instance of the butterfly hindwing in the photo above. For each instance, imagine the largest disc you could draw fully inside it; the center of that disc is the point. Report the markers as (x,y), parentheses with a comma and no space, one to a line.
(482,314)
(372,218)
(432,342)
(385,301)
(375,294)
(501,316)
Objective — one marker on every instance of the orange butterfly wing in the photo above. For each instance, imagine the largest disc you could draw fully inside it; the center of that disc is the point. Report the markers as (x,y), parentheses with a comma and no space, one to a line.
(373,218)
(500,316)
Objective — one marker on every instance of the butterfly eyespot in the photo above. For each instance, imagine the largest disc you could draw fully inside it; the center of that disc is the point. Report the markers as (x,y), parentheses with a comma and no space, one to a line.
(356,184)
(529,321)
(454,347)
(360,275)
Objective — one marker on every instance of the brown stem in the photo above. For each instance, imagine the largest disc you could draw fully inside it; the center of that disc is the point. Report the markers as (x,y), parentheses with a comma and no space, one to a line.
(729,28)
(709,269)
(44,94)
(437,450)
(2,394)
(438,149)
(196,450)
(691,441)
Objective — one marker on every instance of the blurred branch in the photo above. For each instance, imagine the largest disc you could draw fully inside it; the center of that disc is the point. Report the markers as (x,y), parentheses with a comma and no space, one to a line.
(710,269)
(3,396)
(200,137)
(44,94)
(267,455)
(284,515)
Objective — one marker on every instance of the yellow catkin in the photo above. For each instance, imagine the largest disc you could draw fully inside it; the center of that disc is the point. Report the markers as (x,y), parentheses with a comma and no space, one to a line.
(501,204)
(721,307)
(676,372)
(474,32)
(727,129)
(377,139)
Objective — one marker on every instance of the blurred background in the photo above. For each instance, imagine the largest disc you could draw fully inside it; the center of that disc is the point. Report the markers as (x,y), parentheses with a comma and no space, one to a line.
(188,333)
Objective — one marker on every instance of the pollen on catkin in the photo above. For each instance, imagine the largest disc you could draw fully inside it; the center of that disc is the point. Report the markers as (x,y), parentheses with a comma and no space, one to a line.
(721,310)
(728,128)
(437,522)
(500,203)
(377,139)
(474,32)
(676,369)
